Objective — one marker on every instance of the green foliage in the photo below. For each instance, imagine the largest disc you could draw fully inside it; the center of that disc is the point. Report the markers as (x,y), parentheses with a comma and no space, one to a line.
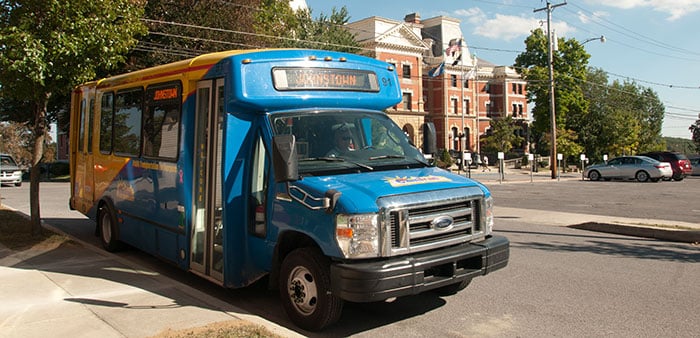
(49,47)
(695,130)
(185,29)
(503,136)
(680,145)
(445,160)
(285,28)
(570,63)
(623,118)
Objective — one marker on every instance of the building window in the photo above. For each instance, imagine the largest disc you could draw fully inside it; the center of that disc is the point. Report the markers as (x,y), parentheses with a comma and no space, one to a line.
(407,101)
(515,110)
(453,80)
(520,88)
(466,83)
(488,109)
(520,110)
(455,138)
(515,88)
(406,71)
(465,106)
(455,105)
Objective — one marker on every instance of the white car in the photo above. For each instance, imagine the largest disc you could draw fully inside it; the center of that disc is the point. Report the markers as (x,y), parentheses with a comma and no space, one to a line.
(640,168)
(10,173)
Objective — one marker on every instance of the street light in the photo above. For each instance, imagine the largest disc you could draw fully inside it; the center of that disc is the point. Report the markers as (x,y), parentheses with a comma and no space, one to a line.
(601,38)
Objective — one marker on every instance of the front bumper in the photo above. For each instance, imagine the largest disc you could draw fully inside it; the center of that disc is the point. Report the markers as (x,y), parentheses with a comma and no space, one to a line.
(414,274)
(10,177)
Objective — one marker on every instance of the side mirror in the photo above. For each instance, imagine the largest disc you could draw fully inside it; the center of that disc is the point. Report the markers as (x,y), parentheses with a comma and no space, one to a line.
(284,158)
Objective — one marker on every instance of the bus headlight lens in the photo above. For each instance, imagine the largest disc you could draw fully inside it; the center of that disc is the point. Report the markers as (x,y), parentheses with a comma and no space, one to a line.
(357,235)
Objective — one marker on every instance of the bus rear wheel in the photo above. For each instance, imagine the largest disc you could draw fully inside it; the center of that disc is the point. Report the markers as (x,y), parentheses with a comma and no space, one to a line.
(304,286)
(107,224)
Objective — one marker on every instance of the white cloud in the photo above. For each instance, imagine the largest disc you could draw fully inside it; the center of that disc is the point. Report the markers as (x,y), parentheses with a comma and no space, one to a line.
(585,18)
(506,27)
(674,8)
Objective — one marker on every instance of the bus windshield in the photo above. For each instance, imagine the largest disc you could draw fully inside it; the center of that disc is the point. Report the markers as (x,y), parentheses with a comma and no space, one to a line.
(342,141)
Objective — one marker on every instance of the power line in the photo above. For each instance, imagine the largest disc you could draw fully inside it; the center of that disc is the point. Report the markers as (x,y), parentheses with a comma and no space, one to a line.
(631,33)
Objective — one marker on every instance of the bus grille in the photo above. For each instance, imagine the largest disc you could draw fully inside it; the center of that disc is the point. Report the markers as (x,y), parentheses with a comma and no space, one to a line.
(424,226)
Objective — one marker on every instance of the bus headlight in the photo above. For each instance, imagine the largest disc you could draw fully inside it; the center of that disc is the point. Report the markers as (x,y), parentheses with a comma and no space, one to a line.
(488,214)
(357,235)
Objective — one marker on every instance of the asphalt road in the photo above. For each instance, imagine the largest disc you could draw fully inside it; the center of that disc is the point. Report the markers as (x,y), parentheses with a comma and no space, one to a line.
(559,282)
(677,201)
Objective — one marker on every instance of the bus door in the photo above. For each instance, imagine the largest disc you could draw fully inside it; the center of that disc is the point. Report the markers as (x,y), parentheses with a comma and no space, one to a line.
(83,184)
(207,251)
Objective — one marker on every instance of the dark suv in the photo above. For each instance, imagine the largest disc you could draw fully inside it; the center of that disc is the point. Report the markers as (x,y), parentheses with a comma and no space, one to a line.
(679,162)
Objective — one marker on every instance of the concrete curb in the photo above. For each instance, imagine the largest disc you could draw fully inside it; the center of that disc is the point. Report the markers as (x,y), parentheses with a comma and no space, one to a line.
(673,235)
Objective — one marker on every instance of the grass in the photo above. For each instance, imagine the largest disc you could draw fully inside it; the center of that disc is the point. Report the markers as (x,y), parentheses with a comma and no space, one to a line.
(16,232)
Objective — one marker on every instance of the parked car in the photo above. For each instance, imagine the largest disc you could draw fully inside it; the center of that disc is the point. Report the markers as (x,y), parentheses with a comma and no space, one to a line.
(10,172)
(640,168)
(679,162)
(695,162)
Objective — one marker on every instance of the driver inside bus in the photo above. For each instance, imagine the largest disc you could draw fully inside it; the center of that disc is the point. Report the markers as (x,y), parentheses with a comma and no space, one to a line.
(342,141)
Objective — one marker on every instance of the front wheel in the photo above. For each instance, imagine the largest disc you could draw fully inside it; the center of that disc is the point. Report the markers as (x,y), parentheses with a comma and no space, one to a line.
(678,177)
(305,289)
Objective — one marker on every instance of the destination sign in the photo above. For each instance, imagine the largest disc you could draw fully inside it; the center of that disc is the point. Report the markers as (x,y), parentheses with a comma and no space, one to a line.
(324,79)
(165,94)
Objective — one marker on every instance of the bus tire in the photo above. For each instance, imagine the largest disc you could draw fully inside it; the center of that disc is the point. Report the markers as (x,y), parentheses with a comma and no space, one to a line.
(107,224)
(304,286)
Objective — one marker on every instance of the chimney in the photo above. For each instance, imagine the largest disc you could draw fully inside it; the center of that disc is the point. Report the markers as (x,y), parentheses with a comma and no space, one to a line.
(412,18)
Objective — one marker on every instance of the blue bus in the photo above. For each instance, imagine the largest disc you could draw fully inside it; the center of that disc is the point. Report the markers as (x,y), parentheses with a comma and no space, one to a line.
(239,165)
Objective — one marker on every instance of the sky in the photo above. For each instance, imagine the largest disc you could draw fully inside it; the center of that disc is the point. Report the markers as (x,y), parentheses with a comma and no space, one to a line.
(655,43)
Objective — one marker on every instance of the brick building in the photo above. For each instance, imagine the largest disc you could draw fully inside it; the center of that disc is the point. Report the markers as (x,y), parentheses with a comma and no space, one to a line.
(450,87)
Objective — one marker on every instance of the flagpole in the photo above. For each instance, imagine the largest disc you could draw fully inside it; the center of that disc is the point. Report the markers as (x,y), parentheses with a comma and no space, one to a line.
(475,90)
(461,68)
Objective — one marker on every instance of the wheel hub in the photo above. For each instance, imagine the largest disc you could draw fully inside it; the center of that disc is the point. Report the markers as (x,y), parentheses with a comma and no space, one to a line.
(302,290)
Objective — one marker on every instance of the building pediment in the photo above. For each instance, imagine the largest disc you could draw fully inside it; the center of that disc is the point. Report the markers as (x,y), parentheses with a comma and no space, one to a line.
(388,34)
(401,36)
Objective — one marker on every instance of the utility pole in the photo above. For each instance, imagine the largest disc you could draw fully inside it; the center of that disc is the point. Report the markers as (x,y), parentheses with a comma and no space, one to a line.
(550,61)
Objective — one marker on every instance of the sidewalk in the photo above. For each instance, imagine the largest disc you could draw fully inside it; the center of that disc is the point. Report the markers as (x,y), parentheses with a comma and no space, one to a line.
(75,289)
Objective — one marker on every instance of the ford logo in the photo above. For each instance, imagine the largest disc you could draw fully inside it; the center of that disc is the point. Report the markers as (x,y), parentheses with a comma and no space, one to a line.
(442,223)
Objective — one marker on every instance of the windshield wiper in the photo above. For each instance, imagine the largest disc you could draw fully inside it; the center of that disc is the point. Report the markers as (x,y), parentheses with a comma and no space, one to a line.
(336,159)
(324,158)
(380,157)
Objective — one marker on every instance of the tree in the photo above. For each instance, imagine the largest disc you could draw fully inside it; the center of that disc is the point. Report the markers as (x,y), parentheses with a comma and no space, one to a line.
(695,130)
(283,27)
(47,48)
(188,28)
(503,136)
(570,65)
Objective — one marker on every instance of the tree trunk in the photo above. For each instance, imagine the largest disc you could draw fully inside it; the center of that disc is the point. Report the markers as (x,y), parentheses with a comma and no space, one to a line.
(39,137)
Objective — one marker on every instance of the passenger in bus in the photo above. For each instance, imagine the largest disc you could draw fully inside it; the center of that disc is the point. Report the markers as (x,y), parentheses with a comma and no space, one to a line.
(342,141)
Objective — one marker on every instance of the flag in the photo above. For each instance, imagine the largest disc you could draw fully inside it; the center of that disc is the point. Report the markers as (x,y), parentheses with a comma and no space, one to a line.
(455,46)
(456,61)
(437,71)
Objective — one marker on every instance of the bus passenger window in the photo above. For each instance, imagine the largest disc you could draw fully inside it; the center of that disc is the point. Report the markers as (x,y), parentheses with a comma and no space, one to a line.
(161,127)
(127,122)
(106,118)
